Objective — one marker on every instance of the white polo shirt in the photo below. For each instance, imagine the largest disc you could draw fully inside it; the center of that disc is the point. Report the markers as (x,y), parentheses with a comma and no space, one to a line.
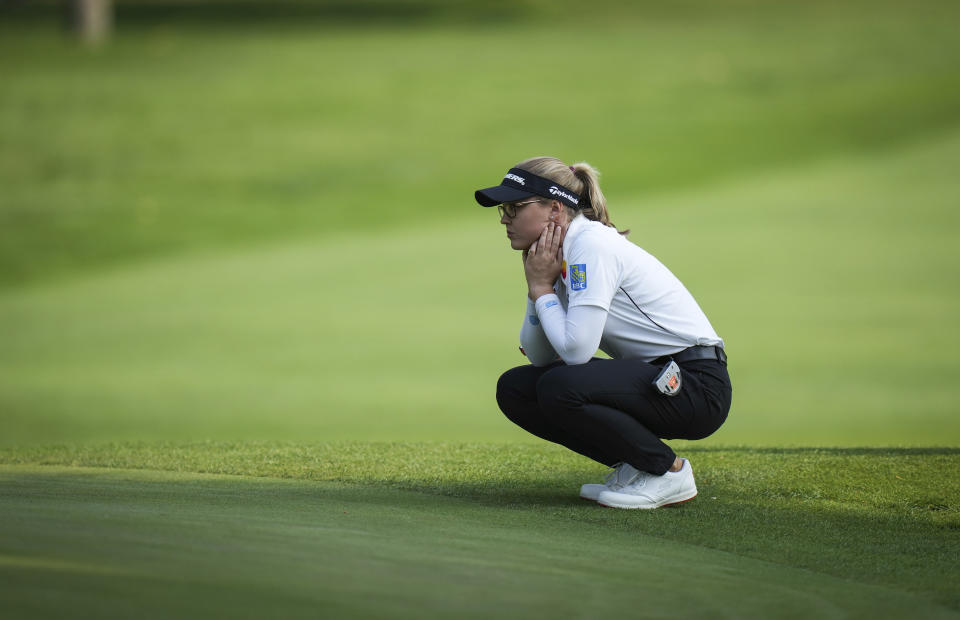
(649,311)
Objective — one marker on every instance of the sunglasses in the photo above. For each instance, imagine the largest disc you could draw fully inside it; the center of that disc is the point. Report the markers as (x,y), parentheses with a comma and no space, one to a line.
(510,210)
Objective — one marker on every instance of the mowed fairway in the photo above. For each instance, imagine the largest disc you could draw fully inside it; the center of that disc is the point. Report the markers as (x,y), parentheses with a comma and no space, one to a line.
(408,530)
(251,321)
(401,335)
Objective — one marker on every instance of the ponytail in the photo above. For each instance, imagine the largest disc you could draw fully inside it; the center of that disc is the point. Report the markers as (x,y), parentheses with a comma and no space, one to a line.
(581,178)
(593,205)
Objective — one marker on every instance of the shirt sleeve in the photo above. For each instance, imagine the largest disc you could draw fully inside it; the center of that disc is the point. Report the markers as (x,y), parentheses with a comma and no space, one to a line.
(574,334)
(534,342)
(594,273)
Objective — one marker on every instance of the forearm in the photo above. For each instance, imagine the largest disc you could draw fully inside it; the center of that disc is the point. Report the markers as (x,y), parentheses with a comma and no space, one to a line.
(574,335)
(534,342)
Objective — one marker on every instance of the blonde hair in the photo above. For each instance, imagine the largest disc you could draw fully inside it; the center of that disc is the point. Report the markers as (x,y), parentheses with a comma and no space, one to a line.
(582,178)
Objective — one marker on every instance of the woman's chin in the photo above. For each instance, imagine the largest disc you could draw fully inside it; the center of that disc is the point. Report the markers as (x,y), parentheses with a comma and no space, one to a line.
(519,244)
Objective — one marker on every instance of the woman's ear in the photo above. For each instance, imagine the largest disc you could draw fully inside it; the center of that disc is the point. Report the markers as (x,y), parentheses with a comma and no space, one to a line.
(559,213)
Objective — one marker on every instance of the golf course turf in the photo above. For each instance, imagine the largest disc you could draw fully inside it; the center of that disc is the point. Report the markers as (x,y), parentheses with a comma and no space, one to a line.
(251,320)
(399,530)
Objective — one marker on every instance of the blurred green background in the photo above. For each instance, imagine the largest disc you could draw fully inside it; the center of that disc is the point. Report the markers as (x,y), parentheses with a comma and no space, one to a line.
(255,220)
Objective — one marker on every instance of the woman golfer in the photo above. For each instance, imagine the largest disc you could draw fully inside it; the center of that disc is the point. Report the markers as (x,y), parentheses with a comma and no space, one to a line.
(590,288)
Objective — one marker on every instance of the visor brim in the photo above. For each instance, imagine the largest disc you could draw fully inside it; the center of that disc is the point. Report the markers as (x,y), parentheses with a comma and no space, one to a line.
(499,194)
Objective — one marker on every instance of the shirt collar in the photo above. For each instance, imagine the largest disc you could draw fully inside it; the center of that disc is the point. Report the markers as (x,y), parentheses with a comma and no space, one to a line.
(576,226)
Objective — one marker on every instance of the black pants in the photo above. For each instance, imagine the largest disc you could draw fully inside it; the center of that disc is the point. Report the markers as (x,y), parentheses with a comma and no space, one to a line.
(609,411)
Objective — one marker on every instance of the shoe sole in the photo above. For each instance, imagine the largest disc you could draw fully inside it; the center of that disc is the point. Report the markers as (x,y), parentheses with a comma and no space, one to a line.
(673,501)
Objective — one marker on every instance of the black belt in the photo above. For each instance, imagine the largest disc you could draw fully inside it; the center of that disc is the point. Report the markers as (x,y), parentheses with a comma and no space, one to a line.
(694,353)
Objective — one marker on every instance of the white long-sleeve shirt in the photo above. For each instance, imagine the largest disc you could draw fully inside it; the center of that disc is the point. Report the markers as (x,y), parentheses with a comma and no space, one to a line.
(577,333)
(614,296)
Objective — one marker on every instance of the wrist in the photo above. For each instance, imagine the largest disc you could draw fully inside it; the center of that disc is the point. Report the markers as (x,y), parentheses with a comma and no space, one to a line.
(536,292)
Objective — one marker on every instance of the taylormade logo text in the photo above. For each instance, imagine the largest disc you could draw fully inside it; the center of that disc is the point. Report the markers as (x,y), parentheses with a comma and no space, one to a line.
(556,191)
(514,177)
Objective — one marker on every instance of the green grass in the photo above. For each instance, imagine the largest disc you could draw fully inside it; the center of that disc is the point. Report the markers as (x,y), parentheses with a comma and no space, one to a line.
(833,286)
(406,530)
(179,137)
(250,321)
(224,236)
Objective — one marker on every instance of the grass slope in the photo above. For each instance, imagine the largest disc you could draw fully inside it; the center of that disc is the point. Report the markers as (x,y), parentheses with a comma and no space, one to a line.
(833,287)
(400,530)
(178,136)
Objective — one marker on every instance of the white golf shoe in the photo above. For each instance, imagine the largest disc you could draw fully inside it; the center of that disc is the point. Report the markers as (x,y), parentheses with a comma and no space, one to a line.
(649,491)
(621,475)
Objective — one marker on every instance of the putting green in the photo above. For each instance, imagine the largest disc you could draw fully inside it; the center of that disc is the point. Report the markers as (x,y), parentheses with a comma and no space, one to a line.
(122,543)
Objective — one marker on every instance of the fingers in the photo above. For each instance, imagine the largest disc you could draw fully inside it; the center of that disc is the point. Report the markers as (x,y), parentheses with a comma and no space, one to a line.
(555,234)
(545,257)
(549,243)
